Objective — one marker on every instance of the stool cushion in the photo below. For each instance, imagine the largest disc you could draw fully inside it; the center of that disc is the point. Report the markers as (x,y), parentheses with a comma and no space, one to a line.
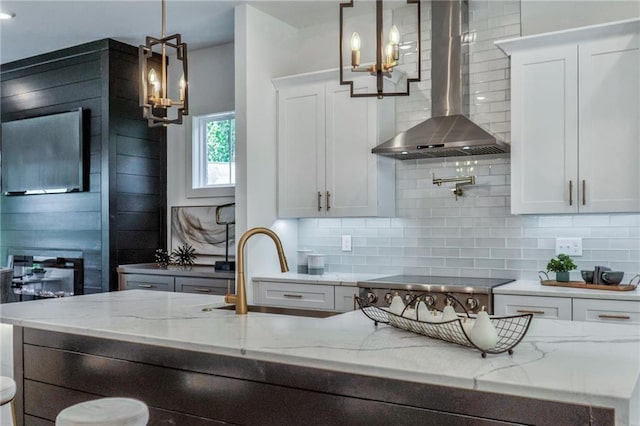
(7,389)
(105,412)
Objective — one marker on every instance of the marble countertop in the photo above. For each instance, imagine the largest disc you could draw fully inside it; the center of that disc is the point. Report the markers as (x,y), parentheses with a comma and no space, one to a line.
(580,362)
(329,278)
(174,270)
(534,288)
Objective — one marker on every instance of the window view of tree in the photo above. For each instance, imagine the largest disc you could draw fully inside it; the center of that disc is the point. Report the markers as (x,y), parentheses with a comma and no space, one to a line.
(221,140)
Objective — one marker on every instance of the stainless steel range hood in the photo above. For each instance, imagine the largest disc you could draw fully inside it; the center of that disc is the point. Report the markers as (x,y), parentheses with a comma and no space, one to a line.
(449,132)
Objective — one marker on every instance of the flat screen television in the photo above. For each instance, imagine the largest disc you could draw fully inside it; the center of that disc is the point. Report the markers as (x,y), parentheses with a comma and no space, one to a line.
(44,154)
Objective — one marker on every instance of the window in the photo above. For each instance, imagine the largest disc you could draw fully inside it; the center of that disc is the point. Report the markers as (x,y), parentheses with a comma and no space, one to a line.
(214,143)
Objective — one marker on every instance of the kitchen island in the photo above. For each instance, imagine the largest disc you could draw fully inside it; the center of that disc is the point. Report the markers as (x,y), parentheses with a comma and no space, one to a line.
(191,362)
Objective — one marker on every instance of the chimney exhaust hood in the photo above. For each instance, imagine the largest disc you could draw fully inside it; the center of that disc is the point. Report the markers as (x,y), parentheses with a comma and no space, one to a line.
(449,133)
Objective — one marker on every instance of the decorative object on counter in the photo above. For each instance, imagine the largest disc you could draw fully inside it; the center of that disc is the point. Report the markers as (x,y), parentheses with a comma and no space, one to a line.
(460,180)
(597,274)
(154,82)
(483,334)
(612,277)
(315,263)
(561,265)
(162,258)
(303,267)
(196,226)
(577,284)
(448,313)
(397,305)
(387,57)
(587,276)
(185,255)
(225,215)
(510,330)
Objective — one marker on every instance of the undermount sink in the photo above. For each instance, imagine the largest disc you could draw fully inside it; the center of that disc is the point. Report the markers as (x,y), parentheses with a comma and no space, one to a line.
(281,311)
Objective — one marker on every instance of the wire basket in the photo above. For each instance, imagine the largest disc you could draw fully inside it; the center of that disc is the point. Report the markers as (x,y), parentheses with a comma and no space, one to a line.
(511,329)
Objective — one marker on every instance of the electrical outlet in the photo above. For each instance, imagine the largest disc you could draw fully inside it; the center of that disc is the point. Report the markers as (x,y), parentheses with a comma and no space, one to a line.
(346,243)
(569,246)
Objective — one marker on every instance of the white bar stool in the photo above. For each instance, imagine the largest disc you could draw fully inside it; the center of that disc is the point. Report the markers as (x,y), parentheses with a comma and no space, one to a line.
(105,412)
(7,393)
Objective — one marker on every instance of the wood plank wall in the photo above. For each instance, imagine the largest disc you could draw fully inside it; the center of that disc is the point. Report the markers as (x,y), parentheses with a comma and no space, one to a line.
(120,217)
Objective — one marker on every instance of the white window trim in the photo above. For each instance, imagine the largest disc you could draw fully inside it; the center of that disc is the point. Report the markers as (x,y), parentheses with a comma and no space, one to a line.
(197,149)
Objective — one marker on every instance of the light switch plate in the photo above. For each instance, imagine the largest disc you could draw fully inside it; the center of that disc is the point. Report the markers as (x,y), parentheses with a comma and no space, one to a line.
(346,243)
(569,246)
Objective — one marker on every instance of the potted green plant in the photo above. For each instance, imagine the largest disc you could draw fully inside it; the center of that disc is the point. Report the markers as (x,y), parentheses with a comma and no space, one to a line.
(561,265)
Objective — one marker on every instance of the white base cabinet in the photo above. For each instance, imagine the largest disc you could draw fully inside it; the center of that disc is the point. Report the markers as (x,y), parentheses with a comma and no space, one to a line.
(294,295)
(345,298)
(197,279)
(569,308)
(543,307)
(304,296)
(618,311)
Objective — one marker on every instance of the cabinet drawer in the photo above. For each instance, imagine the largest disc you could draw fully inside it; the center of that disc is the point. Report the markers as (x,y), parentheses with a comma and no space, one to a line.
(203,285)
(148,282)
(542,307)
(618,311)
(294,295)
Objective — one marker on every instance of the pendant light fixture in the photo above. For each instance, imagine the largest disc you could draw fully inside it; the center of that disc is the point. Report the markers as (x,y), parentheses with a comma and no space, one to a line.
(387,56)
(156,104)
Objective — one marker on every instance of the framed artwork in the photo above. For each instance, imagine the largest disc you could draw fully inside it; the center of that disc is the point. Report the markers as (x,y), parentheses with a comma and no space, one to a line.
(197,226)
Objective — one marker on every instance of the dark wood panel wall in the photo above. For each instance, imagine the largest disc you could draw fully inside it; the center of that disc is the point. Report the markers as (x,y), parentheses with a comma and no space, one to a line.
(120,218)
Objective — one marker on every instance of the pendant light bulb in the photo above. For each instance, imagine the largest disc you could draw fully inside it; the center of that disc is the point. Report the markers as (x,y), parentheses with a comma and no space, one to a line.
(153,78)
(394,35)
(355,41)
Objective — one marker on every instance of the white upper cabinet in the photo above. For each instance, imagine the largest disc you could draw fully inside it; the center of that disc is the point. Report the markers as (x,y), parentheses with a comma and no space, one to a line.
(325,137)
(576,120)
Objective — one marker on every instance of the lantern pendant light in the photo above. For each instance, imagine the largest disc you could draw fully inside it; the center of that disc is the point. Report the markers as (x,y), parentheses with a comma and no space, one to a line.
(154,85)
(386,58)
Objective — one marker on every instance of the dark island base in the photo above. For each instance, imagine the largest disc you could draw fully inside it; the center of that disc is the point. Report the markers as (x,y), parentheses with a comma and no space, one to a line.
(55,370)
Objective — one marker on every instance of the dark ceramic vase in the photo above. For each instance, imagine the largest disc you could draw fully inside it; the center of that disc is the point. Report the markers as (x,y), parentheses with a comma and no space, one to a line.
(562,277)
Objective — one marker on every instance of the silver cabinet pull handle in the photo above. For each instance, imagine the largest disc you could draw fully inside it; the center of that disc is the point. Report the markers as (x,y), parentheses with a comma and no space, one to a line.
(607,316)
(203,290)
(319,201)
(293,296)
(584,192)
(526,311)
(145,286)
(570,192)
(328,200)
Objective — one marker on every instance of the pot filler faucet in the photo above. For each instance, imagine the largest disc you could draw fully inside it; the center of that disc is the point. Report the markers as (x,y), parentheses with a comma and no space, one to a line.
(240,298)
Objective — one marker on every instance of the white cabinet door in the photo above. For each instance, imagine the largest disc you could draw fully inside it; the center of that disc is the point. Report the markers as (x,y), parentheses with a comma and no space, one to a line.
(350,166)
(294,295)
(595,310)
(610,124)
(301,151)
(542,307)
(344,301)
(544,123)
(325,137)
